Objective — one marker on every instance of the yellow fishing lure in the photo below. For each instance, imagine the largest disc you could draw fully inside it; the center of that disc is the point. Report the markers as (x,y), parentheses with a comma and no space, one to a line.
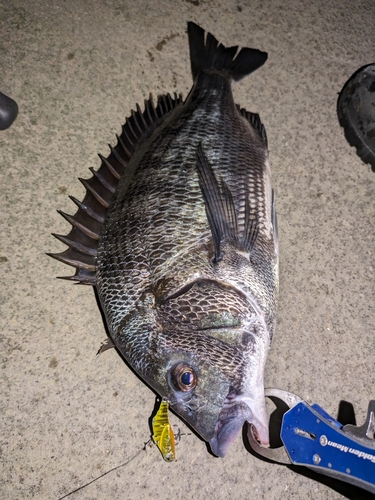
(163,434)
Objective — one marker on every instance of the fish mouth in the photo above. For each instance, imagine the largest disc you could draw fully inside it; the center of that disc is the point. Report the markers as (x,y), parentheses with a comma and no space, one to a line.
(231,420)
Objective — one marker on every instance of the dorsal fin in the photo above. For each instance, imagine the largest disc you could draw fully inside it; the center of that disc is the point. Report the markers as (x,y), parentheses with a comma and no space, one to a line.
(84,237)
(254,120)
(221,211)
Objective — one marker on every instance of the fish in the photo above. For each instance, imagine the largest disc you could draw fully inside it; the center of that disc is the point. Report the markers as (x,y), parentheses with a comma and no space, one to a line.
(178,234)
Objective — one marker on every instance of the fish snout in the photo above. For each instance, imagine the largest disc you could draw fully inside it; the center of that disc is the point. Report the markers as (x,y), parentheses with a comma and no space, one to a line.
(231,420)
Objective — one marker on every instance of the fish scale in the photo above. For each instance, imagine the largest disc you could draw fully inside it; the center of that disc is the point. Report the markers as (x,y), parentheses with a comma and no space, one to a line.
(178,234)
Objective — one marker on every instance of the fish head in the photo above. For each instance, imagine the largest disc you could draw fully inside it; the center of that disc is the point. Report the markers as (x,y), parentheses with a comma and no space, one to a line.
(215,388)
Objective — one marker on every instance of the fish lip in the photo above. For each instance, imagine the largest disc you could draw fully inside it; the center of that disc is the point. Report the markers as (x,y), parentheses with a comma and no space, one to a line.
(231,420)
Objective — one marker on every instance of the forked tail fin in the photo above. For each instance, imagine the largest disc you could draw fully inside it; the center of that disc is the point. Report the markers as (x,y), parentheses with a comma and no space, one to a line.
(209,54)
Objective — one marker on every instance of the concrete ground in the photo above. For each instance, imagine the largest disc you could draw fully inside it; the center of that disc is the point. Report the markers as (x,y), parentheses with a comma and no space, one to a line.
(76,68)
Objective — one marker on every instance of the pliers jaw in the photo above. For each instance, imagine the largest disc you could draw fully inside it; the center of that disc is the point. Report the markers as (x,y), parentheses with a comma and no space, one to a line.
(278,454)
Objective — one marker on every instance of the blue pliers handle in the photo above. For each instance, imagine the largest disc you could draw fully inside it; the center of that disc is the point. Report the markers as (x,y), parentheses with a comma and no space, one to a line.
(314,439)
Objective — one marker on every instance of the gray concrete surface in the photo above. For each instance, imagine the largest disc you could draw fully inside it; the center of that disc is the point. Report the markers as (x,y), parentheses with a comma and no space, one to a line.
(76,68)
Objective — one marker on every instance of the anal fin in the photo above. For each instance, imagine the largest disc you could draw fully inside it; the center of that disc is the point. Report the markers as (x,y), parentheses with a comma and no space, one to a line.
(255,122)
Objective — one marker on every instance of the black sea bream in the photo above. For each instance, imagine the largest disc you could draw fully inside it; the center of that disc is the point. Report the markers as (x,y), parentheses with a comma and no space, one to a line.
(178,234)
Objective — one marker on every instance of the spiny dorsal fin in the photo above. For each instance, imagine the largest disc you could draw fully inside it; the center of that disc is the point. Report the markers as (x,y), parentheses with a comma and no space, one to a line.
(221,210)
(254,120)
(84,237)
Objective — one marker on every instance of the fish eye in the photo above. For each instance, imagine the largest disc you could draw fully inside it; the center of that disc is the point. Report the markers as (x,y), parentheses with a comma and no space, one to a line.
(183,377)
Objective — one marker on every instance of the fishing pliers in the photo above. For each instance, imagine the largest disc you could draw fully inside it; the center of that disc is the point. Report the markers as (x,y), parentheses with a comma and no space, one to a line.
(314,439)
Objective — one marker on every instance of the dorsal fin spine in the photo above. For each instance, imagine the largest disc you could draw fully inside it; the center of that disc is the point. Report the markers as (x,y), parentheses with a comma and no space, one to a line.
(74,222)
(135,121)
(117,156)
(101,179)
(113,171)
(99,196)
(151,109)
(88,210)
(123,147)
(131,130)
(77,246)
(141,117)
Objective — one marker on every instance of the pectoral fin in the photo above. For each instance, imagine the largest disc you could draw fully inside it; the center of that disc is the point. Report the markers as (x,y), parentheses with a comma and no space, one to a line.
(221,210)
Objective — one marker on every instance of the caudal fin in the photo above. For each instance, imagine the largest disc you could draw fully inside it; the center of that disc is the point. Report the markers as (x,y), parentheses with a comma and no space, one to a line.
(209,54)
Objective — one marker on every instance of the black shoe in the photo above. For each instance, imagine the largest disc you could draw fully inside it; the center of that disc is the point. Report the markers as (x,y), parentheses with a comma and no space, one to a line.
(356,112)
(8,111)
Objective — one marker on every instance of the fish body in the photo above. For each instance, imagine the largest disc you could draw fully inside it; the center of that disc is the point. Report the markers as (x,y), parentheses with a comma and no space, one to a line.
(185,252)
